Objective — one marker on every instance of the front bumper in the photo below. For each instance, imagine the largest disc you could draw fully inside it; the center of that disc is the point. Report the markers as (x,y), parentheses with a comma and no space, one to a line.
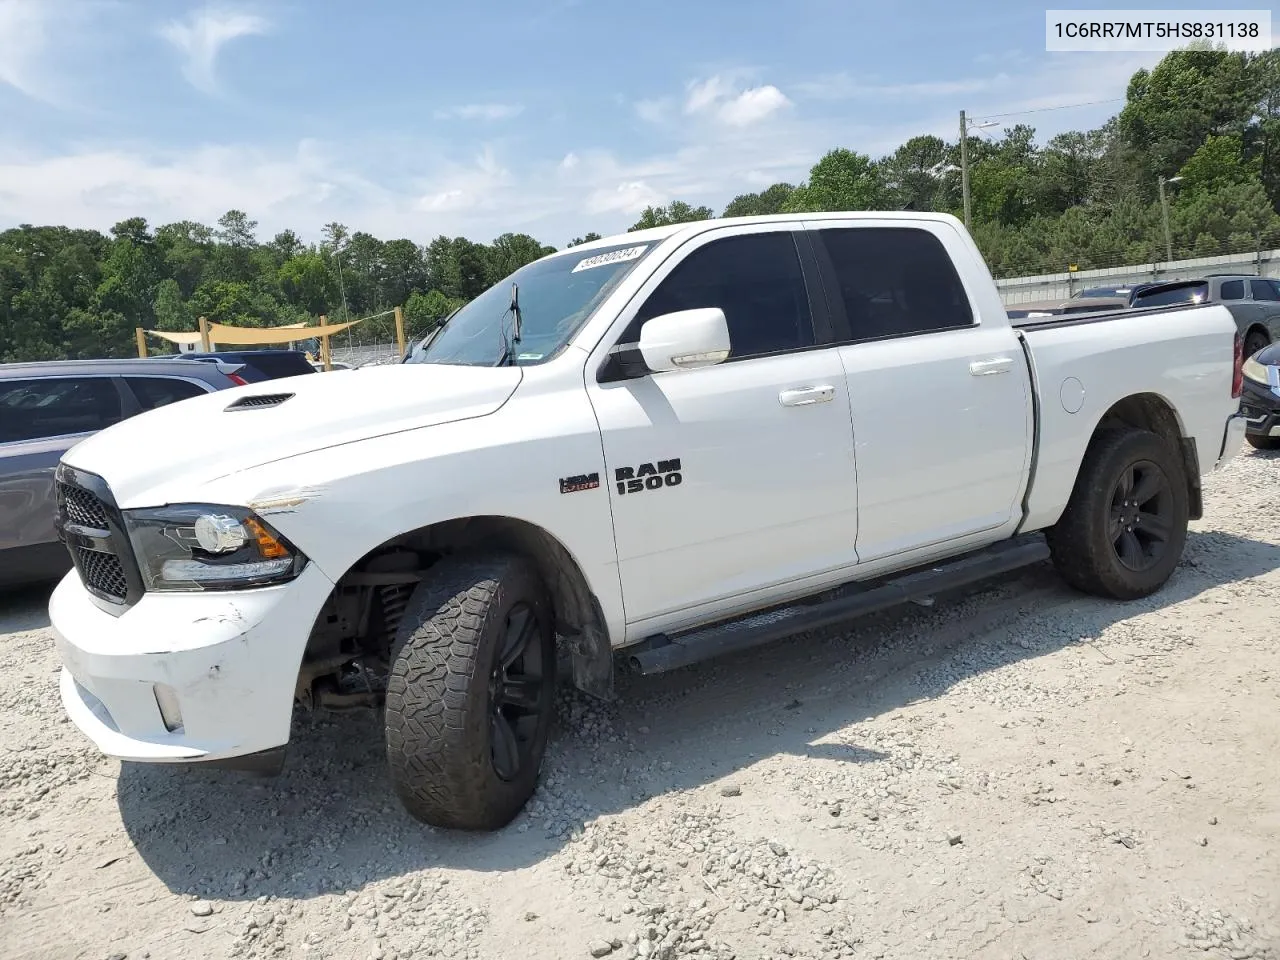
(182,677)
(1260,406)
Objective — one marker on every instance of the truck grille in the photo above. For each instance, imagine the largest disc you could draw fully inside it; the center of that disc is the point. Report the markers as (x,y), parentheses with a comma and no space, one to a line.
(83,508)
(91,527)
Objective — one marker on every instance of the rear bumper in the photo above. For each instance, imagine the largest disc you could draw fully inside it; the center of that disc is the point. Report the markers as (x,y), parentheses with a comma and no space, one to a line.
(1232,439)
(185,677)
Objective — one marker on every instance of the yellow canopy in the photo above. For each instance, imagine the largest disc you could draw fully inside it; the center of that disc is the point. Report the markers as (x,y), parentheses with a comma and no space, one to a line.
(256,335)
(180,337)
(240,336)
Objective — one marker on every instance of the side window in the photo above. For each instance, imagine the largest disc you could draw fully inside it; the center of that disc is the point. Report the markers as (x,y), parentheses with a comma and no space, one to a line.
(1264,289)
(894,281)
(56,406)
(1232,290)
(755,279)
(155,392)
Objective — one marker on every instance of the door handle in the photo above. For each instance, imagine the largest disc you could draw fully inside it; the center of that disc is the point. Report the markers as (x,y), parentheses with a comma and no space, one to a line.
(987,368)
(802,396)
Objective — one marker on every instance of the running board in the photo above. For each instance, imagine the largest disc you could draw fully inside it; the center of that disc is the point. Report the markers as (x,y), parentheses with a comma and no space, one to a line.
(660,653)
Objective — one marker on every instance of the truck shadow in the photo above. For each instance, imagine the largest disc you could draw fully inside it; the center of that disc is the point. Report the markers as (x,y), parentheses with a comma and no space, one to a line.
(330,822)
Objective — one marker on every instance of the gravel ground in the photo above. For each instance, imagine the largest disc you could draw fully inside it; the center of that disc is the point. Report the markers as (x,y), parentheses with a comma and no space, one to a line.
(1021,772)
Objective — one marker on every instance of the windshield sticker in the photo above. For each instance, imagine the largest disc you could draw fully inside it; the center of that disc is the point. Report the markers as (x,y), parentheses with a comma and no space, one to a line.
(617,256)
(529,356)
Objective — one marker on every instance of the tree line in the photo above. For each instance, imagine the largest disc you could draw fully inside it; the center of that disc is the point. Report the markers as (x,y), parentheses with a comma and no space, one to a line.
(1205,121)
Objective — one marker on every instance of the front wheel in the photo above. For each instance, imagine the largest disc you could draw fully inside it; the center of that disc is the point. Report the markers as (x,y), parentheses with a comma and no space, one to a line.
(1259,442)
(1124,528)
(470,695)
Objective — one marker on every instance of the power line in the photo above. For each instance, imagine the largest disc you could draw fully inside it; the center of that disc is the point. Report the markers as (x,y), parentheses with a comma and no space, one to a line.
(1065,106)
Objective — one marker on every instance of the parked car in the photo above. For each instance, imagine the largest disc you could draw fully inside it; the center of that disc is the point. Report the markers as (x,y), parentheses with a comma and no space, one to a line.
(685,441)
(1260,403)
(1254,303)
(1107,293)
(45,409)
(1053,308)
(259,365)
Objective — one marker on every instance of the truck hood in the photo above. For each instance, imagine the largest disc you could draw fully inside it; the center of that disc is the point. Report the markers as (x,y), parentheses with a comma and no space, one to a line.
(192,442)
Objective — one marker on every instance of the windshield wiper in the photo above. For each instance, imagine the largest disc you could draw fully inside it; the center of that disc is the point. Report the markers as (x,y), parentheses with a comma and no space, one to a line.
(508,357)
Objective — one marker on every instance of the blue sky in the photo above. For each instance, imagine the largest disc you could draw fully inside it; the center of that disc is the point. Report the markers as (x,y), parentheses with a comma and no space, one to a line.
(552,117)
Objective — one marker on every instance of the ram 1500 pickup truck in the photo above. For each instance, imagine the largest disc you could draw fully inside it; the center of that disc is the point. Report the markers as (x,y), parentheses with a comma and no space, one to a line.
(645,450)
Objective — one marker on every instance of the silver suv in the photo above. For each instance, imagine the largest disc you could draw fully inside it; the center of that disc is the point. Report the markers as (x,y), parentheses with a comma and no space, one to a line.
(47,408)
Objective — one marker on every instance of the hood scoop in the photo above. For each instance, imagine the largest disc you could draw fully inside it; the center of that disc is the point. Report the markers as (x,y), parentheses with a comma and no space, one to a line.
(259,401)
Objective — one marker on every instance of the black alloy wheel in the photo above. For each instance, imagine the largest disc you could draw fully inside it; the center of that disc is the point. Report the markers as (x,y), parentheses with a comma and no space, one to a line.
(517,693)
(1141,515)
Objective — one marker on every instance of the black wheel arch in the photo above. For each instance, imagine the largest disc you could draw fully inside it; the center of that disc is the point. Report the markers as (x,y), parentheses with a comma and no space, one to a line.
(579,620)
(1150,411)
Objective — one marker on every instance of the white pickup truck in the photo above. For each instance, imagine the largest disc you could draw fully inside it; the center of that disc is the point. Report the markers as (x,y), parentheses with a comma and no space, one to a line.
(671,443)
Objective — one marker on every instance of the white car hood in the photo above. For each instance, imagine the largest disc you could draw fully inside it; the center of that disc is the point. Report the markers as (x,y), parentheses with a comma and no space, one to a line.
(196,441)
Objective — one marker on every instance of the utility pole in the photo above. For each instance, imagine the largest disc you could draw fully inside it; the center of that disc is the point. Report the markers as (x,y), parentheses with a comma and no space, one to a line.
(964,166)
(1164,215)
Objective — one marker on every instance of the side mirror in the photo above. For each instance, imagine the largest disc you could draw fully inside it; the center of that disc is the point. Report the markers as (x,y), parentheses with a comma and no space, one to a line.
(685,340)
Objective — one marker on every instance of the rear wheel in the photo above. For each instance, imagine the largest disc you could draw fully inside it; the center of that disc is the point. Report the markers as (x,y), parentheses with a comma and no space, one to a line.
(1255,341)
(1125,526)
(471,692)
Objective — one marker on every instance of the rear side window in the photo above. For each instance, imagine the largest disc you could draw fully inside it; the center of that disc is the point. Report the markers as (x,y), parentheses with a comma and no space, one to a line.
(1264,289)
(56,406)
(1190,293)
(1232,289)
(155,392)
(755,279)
(894,281)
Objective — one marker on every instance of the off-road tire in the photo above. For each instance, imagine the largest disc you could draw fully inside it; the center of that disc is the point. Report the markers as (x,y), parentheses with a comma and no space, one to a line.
(1259,442)
(438,706)
(1081,542)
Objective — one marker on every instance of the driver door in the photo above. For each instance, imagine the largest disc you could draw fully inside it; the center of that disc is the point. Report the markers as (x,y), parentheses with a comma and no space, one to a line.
(731,485)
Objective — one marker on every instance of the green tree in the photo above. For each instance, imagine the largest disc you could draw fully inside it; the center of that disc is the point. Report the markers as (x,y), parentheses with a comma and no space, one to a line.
(578,241)
(841,180)
(764,203)
(677,211)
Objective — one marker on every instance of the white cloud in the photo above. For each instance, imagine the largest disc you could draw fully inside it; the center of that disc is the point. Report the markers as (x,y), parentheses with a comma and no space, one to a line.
(570,161)
(480,111)
(717,97)
(629,198)
(752,106)
(841,86)
(653,111)
(475,187)
(24,35)
(203,35)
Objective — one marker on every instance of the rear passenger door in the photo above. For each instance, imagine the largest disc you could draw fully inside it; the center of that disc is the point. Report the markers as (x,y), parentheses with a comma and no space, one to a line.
(40,419)
(941,403)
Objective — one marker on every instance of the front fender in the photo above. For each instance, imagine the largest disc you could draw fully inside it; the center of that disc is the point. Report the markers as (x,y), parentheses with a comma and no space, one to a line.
(338,505)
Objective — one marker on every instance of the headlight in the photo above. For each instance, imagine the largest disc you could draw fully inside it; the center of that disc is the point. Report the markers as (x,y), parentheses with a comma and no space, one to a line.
(1255,371)
(200,546)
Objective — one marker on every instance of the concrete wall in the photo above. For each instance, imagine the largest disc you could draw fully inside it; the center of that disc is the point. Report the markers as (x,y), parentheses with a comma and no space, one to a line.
(1060,286)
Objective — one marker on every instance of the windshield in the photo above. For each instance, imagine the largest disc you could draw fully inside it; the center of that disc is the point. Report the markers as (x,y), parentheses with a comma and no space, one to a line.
(1188,293)
(556,297)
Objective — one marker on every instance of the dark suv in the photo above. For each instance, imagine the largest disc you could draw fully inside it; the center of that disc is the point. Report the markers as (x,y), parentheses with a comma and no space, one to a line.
(45,409)
(1254,302)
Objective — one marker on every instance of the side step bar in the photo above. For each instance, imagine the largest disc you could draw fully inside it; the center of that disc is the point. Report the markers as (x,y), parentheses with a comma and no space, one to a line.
(660,653)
